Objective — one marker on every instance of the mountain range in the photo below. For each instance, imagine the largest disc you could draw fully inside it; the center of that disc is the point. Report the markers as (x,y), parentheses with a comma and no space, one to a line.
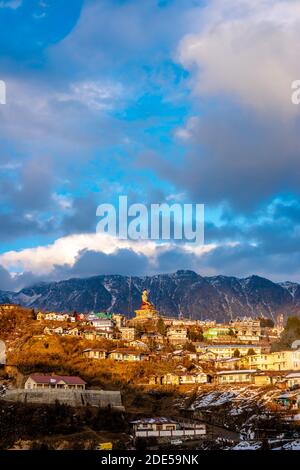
(183,293)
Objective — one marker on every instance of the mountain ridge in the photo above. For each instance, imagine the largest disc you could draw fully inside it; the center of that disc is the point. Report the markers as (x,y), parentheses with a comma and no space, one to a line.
(181,293)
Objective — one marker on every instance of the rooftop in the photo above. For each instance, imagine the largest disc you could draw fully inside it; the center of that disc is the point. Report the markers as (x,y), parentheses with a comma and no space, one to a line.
(52,379)
(230,372)
(160,420)
(94,349)
(126,351)
(227,345)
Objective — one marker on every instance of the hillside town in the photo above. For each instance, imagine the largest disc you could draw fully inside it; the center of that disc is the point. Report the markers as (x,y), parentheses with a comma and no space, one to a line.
(213,374)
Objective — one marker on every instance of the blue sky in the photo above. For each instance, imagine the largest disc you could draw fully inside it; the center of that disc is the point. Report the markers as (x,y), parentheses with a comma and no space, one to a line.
(162,101)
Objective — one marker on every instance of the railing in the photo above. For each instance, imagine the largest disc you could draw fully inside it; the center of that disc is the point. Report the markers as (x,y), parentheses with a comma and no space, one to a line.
(171,433)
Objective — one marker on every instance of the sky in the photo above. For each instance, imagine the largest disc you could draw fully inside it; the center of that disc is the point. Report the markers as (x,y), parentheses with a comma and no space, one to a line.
(159,100)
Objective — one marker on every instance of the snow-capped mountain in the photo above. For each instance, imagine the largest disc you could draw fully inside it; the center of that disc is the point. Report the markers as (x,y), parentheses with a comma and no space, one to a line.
(184,292)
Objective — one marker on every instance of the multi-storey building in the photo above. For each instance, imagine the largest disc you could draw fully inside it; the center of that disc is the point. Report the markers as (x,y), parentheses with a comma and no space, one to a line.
(281,360)
(226,351)
(127,333)
(246,329)
(177,335)
(293,379)
(152,338)
(118,319)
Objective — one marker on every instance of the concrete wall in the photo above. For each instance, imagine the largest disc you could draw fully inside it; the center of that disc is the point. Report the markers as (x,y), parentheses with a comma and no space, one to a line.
(99,398)
(2,353)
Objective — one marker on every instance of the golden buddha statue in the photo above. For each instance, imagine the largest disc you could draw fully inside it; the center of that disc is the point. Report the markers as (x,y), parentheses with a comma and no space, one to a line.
(145,301)
(147,310)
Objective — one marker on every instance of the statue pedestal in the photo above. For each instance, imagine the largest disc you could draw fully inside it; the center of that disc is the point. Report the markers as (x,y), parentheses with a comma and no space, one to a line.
(146,310)
(145,314)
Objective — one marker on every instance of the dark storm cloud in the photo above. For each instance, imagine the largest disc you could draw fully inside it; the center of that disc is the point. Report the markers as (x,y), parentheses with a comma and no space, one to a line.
(240,260)
(82,217)
(17,282)
(6,281)
(173,259)
(115,32)
(35,186)
(234,156)
(16,226)
(90,263)
(27,196)
(245,259)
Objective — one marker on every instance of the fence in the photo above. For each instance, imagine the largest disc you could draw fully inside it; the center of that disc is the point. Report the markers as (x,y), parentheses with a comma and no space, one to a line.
(172,433)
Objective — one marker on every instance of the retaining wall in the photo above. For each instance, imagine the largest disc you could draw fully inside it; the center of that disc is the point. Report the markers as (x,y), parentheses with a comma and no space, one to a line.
(99,398)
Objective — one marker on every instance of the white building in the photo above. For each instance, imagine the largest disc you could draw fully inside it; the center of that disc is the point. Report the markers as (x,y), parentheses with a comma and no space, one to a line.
(177,335)
(235,376)
(166,427)
(37,381)
(293,379)
(128,333)
(226,351)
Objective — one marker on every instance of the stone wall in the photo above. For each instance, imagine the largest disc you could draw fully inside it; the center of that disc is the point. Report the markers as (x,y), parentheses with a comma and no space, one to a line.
(99,398)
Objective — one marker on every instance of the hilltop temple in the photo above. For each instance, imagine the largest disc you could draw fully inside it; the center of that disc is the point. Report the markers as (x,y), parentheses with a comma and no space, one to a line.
(147,310)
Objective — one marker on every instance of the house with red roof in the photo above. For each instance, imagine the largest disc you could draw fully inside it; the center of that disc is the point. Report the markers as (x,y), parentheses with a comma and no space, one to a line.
(66,382)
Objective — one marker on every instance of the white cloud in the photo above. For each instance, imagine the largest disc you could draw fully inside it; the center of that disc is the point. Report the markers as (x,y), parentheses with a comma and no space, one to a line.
(176,197)
(36,117)
(63,201)
(187,132)
(39,16)
(94,95)
(248,49)
(41,260)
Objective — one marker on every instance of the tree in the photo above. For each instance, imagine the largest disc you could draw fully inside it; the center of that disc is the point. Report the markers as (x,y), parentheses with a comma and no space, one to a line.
(195,334)
(189,347)
(236,353)
(161,327)
(290,333)
(152,344)
(251,352)
(139,330)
